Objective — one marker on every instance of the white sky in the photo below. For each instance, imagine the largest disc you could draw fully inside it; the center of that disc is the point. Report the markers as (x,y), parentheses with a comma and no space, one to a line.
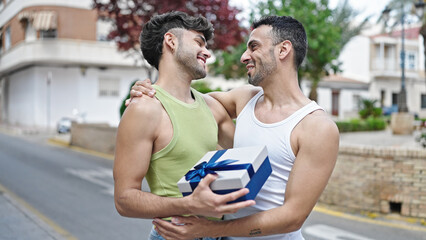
(364,7)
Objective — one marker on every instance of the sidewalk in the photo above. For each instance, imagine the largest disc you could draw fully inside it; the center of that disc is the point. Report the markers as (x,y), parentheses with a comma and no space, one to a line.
(19,221)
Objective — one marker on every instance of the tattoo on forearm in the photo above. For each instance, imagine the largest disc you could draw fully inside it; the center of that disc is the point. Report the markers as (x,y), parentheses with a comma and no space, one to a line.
(255,231)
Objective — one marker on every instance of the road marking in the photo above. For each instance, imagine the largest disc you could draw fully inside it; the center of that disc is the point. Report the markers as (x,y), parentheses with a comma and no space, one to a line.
(100,176)
(367,220)
(26,207)
(332,233)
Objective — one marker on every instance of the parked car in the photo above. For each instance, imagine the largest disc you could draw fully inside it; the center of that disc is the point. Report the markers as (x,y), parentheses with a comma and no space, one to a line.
(64,125)
(387,111)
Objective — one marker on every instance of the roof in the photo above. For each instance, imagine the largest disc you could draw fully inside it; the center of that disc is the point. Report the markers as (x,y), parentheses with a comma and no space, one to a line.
(340,82)
(340,78)
(410,33)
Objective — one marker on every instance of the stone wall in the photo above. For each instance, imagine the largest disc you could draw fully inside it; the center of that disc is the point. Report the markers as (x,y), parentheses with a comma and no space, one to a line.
(97,137)
(379,179)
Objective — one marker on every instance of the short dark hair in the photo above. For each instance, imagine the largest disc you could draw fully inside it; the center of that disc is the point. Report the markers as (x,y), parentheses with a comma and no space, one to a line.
(287,28)
(152,35)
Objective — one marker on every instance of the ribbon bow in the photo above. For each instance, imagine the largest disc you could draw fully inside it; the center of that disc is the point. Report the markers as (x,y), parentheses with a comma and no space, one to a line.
(204,168)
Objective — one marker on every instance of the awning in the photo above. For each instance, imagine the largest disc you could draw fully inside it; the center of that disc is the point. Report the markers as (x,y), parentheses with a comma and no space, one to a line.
(25,16)
(45,20)
(42,20)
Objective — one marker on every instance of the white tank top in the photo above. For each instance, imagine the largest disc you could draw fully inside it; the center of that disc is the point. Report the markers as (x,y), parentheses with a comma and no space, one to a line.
(276,137)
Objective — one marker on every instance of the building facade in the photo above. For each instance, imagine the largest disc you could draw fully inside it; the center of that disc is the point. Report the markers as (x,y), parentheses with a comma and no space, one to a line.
(55,62)
(371,68)
(386,70)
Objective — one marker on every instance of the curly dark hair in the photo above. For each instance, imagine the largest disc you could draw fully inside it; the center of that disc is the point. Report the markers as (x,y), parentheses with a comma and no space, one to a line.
(287,28)
(152,35)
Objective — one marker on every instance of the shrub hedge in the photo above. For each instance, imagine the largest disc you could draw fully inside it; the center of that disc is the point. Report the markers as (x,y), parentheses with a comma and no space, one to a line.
(369,124)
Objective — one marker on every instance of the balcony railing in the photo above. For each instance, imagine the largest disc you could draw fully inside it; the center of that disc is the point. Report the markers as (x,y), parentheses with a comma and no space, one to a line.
(64,51)
(387,64)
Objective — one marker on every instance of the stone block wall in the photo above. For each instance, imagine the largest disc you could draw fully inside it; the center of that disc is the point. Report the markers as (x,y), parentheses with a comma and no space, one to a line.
(379,179)
(97,137)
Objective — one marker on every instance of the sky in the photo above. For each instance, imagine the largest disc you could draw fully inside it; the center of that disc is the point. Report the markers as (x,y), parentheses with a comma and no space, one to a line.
(365,7)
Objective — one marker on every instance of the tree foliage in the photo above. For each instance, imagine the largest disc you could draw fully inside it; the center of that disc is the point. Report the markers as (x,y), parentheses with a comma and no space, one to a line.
(328,32)
(323,35)
(228,62)
(128,17)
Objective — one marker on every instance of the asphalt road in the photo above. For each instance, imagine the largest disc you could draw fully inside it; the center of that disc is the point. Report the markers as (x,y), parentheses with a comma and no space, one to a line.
(74,190)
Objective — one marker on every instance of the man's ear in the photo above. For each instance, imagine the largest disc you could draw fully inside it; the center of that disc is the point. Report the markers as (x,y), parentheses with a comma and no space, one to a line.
(170,41)
(285,48)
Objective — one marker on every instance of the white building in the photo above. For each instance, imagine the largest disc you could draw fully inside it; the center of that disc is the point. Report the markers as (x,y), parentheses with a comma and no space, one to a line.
(385,74)
(54,62)
(371,66)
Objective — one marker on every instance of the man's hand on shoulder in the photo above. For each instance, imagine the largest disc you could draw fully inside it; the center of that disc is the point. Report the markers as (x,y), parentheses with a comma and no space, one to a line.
(139,89)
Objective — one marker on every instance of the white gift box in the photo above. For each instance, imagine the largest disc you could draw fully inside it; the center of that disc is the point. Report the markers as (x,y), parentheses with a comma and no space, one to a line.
(246,167)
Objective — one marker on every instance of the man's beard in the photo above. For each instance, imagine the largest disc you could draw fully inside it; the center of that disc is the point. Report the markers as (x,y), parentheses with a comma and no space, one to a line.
(189,62)
(262,70)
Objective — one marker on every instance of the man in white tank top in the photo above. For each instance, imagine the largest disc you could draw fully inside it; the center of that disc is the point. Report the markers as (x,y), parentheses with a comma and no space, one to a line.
(301,138)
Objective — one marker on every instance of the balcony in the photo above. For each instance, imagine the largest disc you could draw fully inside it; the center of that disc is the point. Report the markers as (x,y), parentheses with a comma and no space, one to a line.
(64,52)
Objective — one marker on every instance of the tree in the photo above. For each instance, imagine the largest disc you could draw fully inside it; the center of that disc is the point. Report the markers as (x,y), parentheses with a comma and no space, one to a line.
(228,62)
(323,35)
(344,16)
(128,17)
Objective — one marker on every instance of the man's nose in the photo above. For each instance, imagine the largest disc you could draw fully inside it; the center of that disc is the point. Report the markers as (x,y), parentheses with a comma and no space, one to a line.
(245,57)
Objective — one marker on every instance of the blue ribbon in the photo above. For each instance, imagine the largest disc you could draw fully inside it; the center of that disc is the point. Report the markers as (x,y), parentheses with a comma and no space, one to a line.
(204,168)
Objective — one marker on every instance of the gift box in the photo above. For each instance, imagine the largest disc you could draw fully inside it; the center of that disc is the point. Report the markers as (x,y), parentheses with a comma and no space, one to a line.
(237,168)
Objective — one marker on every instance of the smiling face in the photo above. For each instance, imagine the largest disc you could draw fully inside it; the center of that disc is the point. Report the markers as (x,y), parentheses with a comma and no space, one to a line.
(192,53)
(259,57)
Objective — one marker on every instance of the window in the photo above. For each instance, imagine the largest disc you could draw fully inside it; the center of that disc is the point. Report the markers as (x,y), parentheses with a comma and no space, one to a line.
(410,60)
(103,27)
(423,101)
(48,34)
(109,87)
(7,40)
(394,98)
(356,99)
(30,32)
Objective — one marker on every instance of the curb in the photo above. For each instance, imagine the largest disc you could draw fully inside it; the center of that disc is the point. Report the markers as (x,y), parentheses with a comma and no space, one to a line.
(61,143)
(373,220)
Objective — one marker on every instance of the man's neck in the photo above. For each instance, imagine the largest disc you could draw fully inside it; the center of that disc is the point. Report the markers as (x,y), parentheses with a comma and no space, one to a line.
(282,89)
(176,83)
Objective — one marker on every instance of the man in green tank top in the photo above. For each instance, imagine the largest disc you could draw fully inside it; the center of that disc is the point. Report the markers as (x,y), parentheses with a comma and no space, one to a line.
(162,138)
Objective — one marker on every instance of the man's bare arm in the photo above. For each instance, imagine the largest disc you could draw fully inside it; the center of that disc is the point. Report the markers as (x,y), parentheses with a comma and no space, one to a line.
(225,124)
(233,101)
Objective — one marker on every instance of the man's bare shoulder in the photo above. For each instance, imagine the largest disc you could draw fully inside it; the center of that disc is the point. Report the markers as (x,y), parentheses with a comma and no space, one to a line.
(144,109)
(319,126)
(247,90)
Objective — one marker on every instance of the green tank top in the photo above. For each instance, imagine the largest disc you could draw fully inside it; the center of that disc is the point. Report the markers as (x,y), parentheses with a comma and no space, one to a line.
(194,134)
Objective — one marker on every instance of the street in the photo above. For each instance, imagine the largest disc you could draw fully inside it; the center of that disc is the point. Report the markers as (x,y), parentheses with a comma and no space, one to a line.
(75,191)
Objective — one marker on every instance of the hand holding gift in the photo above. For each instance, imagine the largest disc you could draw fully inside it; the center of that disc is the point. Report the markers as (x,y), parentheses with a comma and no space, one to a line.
(236,169)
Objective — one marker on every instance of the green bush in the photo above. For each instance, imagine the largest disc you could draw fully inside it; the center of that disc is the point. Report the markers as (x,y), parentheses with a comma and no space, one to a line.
(203,87)
(355,125)
(368,109)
